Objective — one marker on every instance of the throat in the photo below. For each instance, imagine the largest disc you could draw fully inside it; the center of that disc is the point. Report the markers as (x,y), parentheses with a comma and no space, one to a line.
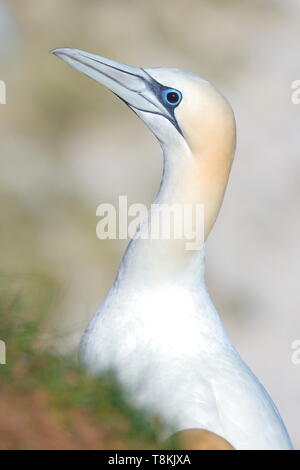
(191,194)
(169,245)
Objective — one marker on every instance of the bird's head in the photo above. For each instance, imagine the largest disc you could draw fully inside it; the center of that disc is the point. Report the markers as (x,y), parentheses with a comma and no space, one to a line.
(175,104)
(193,122)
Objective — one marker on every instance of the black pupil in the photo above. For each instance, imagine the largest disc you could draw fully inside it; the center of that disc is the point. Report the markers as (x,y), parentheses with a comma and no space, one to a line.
(172,97)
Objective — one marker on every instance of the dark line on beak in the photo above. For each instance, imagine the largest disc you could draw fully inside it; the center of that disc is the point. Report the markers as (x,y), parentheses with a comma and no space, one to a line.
(153,84)
(112,78)
(100,71)
(113,66)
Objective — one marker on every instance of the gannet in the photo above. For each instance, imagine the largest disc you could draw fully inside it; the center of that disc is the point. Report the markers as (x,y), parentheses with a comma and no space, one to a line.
(157,328)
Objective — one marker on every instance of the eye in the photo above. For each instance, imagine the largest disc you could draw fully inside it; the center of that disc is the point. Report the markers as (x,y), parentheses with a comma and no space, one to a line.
(171,97)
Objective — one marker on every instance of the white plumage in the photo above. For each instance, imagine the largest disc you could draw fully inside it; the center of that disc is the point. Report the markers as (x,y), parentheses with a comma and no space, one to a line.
(157,328)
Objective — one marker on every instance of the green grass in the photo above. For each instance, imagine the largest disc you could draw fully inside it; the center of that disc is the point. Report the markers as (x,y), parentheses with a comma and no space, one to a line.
(25,302)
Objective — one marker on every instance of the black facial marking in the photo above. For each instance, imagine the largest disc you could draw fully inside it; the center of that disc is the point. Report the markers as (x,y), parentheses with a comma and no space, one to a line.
(158,89)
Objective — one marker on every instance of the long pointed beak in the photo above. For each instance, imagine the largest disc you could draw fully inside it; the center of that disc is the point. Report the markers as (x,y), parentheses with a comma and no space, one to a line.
(132,84)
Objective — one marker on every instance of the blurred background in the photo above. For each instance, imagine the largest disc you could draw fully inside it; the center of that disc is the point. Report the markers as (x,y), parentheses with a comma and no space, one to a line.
(63,140)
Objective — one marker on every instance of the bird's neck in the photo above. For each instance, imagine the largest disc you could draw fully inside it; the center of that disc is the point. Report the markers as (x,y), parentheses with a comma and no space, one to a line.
(194,185)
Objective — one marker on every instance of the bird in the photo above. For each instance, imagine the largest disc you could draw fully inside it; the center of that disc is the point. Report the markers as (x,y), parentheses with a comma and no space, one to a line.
(157,328)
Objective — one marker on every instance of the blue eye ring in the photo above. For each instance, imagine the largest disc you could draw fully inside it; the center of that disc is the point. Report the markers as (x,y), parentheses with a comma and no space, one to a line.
(171,97)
